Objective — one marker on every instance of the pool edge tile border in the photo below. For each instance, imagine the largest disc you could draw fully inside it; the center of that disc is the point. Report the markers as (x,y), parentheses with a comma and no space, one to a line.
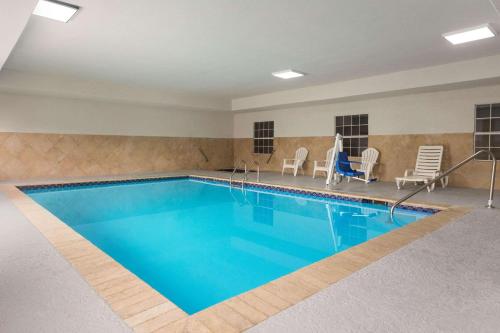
(145,310)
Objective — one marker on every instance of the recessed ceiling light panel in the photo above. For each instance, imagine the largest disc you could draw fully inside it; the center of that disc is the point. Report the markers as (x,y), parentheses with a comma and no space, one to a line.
(288,74)
(470,34)
(55,10)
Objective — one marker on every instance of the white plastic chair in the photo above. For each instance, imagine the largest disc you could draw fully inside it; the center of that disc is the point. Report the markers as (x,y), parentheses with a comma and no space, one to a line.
(369,158)
(295,163)
(428,166)
(323,165)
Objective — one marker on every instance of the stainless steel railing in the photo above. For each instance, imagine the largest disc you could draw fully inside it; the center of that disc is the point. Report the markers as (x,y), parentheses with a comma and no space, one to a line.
(205,157)
(234,171)
(246,171)
(446,173)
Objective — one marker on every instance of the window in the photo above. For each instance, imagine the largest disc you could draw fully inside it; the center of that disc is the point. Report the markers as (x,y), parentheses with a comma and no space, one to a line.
(354,129)
(487,130)
(263,137)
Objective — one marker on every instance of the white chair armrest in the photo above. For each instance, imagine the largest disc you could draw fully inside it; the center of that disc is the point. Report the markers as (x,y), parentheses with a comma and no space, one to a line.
(320,163)
(288,160)
(409,172)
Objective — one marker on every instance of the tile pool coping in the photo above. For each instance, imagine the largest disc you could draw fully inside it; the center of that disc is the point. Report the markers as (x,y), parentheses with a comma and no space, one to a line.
(146,310)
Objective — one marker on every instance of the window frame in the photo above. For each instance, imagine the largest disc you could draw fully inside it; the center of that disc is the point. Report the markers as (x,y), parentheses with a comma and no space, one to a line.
(356,124)
(263,137)
(488,133)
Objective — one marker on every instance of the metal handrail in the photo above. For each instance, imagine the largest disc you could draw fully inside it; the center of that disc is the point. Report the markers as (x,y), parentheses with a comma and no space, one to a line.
(234,171)
(434,180)
(270,156)
(258,170)
(203,154)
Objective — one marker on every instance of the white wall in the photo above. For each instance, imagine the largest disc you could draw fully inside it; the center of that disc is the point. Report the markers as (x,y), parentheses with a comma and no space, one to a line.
(39,114)
(436,112)
(452,74)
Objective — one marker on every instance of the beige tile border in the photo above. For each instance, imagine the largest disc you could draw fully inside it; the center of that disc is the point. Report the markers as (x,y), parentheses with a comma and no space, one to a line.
(146,310)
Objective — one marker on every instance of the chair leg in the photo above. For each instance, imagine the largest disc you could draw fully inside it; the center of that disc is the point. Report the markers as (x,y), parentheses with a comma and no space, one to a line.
(295,171)
(444,182)
(314,173)
(283,171)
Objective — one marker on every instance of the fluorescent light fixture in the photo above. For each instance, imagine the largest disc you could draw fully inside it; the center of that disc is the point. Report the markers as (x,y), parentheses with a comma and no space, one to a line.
(55,10)
(287,74)
(470,34)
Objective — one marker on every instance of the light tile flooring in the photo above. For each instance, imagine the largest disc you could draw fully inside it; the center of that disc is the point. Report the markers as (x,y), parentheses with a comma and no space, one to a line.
(145,310)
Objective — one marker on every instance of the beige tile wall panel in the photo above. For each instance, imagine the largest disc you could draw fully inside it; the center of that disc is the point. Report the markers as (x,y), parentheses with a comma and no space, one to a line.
(397,153)
(29,156)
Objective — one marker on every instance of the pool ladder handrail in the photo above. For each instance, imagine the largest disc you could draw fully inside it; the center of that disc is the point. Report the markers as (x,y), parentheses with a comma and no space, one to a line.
(446,173)
(234,172)
(245,178)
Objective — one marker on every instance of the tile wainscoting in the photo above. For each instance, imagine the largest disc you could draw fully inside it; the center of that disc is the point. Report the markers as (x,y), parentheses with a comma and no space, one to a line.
(31,155)
(397,153)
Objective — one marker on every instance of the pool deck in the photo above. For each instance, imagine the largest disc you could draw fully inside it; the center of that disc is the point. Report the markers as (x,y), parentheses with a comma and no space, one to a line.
(291,303)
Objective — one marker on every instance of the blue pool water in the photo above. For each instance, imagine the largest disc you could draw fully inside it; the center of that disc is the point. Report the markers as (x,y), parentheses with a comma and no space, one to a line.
(199,243)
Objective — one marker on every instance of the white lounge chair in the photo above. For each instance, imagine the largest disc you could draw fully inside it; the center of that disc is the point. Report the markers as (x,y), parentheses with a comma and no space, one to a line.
(323,165)
(297,162)
(428,166)
(369,158)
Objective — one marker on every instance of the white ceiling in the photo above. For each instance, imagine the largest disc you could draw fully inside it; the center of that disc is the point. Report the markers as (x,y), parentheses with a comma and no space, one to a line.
(228,48)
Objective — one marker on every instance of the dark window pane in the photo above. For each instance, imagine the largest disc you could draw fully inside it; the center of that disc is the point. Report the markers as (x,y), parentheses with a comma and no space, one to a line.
(347,143)
(348,151)
(272,125)
(347,120)
(354,152)
(495,141)
(496,152)
(483,156)
(271,133)
(482,141)
(363,142)
(339,121)
(255,126)
(355,130)
(347,131)
(495,110)
(340,130)
(482,111)
(482,125)
(363,130)
(355,120)
(495,125)
(363,119)
(355,142)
